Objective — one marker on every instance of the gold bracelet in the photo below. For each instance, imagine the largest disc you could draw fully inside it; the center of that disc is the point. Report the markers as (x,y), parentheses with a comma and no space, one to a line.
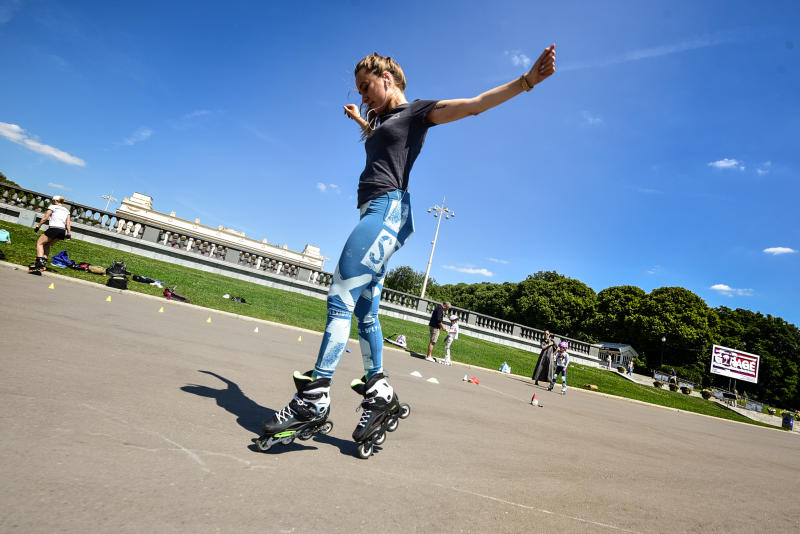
(523,81)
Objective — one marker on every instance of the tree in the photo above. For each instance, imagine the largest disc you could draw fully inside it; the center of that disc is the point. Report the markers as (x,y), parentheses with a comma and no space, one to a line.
(4,180)
(684,319)
(407,280)
(616,309)
(548,300)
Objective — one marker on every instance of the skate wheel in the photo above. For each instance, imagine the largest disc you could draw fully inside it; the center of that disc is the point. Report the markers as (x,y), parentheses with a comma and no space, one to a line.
(305,435)
(364,450)
(287,440)
(380,438)
(405,411)
(392,426)
(263,444)
(326,428)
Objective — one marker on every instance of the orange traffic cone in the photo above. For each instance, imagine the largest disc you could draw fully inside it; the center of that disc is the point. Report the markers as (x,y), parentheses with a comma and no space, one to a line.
(534,400)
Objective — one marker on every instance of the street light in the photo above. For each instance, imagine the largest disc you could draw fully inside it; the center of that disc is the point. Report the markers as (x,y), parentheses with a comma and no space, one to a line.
(663,341)
(110,199)
(437,211)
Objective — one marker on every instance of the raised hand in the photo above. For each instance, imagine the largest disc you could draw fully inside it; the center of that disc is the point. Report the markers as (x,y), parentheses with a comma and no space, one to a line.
(544,67)
(351,110)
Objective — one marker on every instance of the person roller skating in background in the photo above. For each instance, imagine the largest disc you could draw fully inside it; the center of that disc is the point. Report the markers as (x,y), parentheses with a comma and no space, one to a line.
(562,361)
(57,219)
(452,335)
(393,130)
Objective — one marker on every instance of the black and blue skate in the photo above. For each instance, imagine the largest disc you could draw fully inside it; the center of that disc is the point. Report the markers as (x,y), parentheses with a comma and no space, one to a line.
(38,266)
(381,412)
(305,415)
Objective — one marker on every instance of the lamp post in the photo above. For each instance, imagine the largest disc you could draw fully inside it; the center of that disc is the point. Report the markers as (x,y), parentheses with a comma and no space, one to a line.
(110,199)
(663,341)
(441,212)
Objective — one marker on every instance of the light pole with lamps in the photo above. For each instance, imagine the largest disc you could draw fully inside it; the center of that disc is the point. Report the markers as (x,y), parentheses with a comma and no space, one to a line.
(663,341)
(438,211)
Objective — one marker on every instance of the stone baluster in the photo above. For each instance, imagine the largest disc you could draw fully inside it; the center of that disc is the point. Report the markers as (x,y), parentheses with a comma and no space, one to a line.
(189,243)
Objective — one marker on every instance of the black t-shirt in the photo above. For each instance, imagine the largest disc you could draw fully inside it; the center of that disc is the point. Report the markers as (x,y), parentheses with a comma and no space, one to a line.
(392,149)
(437,316)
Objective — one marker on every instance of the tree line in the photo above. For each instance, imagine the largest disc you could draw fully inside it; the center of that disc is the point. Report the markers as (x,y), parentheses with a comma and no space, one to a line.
(627,314)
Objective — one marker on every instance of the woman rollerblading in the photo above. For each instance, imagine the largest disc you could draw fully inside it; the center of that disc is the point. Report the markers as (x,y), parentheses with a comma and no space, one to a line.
(394,131)
(380,411)
(305,415)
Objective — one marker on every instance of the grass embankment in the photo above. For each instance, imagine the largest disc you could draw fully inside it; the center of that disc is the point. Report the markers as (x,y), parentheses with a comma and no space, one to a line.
(206,289)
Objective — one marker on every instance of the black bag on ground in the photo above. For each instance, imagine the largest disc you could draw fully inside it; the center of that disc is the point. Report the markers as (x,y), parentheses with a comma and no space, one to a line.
(143,279)
(118,268)
(118,282)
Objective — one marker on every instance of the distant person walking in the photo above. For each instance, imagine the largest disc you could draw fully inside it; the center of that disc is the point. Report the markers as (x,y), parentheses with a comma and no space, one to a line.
(544,366)
(630,367)
(562,362)
(452,335)
(58,228)
(436,325)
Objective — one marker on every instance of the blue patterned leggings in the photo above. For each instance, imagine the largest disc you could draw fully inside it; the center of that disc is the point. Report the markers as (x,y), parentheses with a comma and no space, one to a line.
(386,223)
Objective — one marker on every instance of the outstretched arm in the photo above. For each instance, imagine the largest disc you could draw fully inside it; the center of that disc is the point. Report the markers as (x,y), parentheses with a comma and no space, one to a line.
(453,110)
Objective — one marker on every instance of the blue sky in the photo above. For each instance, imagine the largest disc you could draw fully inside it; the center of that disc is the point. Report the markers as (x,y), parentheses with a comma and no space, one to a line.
(663,152)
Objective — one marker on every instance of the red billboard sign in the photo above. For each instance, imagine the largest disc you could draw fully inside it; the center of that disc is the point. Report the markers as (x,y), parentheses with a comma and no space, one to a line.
(735,364)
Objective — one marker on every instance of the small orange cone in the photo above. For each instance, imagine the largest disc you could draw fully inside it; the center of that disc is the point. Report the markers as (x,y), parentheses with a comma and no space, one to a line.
(534,400)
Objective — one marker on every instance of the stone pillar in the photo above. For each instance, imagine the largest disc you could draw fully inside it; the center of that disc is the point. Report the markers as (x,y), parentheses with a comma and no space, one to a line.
(232,256)
(27,218)
(150,234)
(303,274)
(422,305)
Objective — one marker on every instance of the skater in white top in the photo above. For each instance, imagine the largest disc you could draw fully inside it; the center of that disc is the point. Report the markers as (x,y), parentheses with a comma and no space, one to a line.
(452,335)
(562,361)
(57,218)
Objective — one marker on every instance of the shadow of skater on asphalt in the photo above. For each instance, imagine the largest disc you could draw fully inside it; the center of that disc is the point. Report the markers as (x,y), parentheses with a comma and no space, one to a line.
(250,415)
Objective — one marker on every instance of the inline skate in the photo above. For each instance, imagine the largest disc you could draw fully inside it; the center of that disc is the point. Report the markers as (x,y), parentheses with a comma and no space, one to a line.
(38,266)
(380,413)
(305,415)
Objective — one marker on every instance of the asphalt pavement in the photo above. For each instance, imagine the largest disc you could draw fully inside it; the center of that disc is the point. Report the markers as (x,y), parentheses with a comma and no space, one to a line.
(118,417)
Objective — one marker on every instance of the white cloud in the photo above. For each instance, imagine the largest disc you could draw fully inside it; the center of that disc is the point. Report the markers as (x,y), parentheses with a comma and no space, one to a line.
(196,113)
(654,269)
(591,120)
(59,186)
(495,260)
(141,134)
(518,59)
(731,291)
(727,163)
(764,168)
(469,270)
(777,251)
(14,133)
(324,188)
(648,53)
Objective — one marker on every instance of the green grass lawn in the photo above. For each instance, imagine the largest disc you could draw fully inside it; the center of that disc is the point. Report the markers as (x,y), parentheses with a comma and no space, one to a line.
(206,289)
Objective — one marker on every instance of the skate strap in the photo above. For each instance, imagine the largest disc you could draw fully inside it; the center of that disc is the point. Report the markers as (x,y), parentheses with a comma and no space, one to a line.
(286,412)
